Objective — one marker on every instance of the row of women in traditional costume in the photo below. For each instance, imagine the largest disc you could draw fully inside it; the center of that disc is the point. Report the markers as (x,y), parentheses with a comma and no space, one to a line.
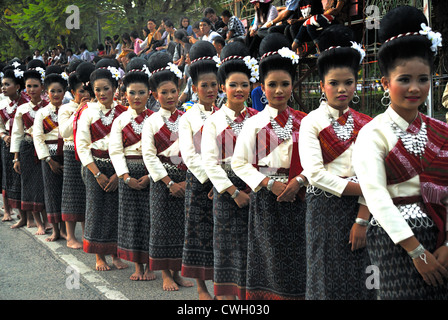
(226,199)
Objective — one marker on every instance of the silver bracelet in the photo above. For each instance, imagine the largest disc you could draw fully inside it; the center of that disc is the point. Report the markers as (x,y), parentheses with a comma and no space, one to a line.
(235,194)
(47,159)
(270,184)
(362,222)
(97,175)
(15,160)
(418,252)
(446,243)
(127,180)
(170,184)
(300,181)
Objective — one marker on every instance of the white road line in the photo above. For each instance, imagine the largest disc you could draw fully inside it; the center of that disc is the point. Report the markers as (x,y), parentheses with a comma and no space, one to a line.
(89,275)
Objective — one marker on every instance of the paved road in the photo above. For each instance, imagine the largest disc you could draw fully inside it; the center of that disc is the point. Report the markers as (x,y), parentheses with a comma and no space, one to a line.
(33,269)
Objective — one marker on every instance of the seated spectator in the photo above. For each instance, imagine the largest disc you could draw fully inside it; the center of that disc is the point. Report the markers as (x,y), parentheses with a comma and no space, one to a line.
(216,22)
(207,33)
(235,27)
(85,54)
(284,13)
(219,43)
(168,43)
(185,24)
(265,11)
(136,41)
(153,39)
(196,32)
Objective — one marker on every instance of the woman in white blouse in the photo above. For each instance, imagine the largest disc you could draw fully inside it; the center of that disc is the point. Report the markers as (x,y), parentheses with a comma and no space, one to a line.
(125,150)
(92,125)
(12,86)
(22,146)
(160,148)
(263,159)
(401,161)
(48,145)
(335,221)
(197,259)
(231,197)
(73,205)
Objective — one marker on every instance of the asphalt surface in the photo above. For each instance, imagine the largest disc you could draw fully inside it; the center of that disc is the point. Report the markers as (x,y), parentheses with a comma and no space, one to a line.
(34,269)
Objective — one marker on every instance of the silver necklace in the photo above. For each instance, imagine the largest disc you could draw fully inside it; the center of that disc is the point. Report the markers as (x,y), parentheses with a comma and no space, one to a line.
(54,116)
(413,143)
(138,127)
(283,133)
(343,132)
(107,120)
(236,126)
(172,126)
(11,109)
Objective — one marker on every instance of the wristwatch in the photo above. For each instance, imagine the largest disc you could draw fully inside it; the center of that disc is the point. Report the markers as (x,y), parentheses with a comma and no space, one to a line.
(170,184)
(270,184)
(300,181)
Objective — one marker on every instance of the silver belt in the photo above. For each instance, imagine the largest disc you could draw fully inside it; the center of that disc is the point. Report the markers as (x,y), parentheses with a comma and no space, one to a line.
(52,149)
(414,214)
(280,178)
(69,145)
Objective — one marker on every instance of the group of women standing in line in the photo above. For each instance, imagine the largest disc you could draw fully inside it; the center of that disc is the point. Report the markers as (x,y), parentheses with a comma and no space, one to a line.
(274,204)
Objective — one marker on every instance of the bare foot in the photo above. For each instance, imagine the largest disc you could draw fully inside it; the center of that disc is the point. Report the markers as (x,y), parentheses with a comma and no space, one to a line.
(138,274)
(40,230)
(168,283)
(54,236)
(6,217)
(118,263)
(149,275)
(101,264)
(19,224)
(181,281)
(74,244)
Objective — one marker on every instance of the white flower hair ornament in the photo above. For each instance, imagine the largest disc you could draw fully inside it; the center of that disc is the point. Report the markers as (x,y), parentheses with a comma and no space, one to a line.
(252,65)
(217,60)
(434,37)
(18,73)
(358,48)
(64,76)
(42,73)
(174,69)
(115,72)
(146,70)
(15,64)
(288,53)
(2,75)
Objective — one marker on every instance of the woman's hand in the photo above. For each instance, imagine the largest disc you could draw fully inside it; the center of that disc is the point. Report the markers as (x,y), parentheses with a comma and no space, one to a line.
(17,167)
(56,167)
(357,236)
(178,189)
(143,181)
(112,185)
(432,271)
(290,192)
(242,200)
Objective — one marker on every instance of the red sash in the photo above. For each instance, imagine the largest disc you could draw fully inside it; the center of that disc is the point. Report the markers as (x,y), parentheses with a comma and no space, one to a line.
(165,138)
(24,98)
(49,124)
(28,120)
(227,138)
(197,137)
(78,113)
(98,130)
(332,147)
(129,136)
(432,169)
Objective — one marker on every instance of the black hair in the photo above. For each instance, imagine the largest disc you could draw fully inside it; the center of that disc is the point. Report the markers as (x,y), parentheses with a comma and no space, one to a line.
(226,13)
(401,20)
(181,35)
(8,72)
(343,57)
(133,34)
(101,72)
(55,78)
(197,68)
(81,77)
(54,69)
(220,40)
(207,21)
(274,42)
(233,65)
(135,73)
(136,63)
(73,65)
(169,23)
(156,62)
(182,19)
(107,62)
(31,73)
(208,11)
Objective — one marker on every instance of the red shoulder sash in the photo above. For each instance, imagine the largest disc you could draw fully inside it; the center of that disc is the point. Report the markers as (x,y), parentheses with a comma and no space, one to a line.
(99,130)
(164,138)
(130,137)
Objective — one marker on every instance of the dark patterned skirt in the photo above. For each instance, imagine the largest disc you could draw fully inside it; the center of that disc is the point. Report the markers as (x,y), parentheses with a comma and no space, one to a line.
(230,242)
(52,190)
(133,217)
(398,277)
(32,181)
(197,258)
(334,272)
(73,189)
(11,181)
(101,223)
(276,256)
(166,238)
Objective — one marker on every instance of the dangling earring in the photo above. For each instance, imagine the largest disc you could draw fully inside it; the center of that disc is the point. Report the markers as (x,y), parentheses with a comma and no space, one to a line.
(263,99)
(323,97)
(356,99)
(385,100)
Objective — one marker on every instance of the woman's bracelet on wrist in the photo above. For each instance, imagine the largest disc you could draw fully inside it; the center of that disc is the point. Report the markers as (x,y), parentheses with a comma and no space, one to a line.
(362,222)
(97,175)
(235,194)
(418,252)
